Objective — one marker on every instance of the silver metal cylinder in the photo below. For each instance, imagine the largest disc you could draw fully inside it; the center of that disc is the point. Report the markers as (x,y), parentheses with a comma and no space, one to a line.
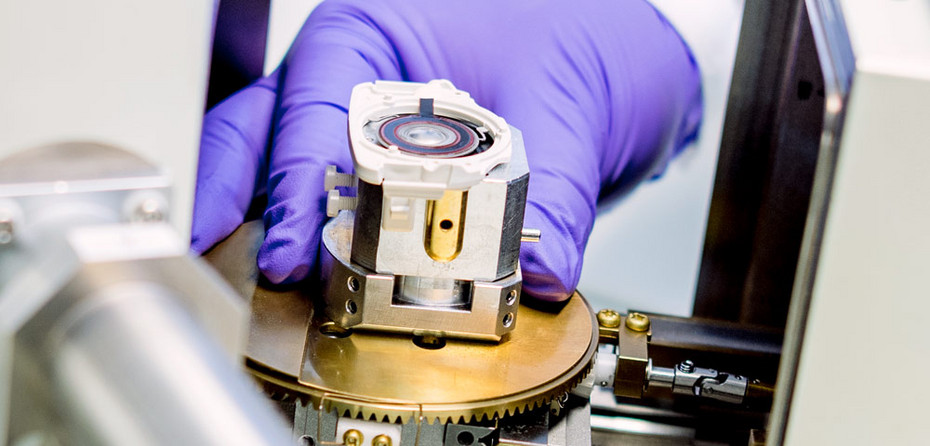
(431,291)
(131,366)
(660,376)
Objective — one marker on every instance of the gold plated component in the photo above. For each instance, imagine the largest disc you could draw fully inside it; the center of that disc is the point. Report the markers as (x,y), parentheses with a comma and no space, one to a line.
(381,440)
(369,373)
(632,361)
(386,377)
(608,322)
(608,318)
(353,437)
(637,322)
(445,227)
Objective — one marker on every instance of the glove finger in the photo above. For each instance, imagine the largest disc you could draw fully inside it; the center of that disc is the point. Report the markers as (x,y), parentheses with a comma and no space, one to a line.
(612,116)
(561,199)
(337,49)
(231,169)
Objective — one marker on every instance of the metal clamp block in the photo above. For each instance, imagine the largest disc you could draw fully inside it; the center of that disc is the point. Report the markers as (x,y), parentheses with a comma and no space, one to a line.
(632,361)
(356,297)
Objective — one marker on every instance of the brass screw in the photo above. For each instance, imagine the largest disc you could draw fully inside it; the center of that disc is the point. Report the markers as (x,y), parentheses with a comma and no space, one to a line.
(608,318)
(637,322)
(353,437)
(381,440)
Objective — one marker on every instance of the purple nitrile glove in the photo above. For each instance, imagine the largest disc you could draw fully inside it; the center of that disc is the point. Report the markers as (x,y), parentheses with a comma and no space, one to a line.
(604,93)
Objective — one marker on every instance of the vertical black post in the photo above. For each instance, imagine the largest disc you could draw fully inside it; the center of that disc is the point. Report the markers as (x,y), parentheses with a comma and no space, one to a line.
(771,136)
(239,39)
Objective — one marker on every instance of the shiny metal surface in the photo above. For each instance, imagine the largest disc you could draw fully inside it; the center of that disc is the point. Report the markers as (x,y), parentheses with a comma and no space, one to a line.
(632,359)
(109,333)
(444,226)
(356,297)
(838,66)
(540,427)
(543,357)
(132,367)
(427,252)
(530,235)
(433,292)
(491,228)
(686,379)
(386,375)
(137,339)
(279,317)
(660,376)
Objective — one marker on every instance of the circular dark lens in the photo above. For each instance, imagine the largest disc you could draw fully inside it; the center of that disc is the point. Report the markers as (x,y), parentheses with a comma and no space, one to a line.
(429,136)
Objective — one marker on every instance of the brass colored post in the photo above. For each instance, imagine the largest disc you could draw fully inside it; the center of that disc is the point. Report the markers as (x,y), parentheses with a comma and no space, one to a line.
(445,227)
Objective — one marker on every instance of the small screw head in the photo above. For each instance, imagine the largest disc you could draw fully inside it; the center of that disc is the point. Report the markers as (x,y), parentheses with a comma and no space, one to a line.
(381,440)
(686,366)
(608,318)
(637,322)
(149,210)
(353,437)
(6,229)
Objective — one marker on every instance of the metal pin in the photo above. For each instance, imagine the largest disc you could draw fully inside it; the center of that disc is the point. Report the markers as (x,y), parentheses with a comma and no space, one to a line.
(530,235)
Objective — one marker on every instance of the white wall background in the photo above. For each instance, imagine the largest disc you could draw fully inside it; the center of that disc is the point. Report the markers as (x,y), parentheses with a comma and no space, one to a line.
(129,74)
(645,252)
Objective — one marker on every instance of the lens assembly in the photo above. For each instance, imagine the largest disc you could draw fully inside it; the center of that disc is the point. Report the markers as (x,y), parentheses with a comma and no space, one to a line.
(427,136)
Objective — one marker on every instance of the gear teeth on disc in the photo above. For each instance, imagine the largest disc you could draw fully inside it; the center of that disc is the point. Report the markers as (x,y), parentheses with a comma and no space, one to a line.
(283,391)
(286,386)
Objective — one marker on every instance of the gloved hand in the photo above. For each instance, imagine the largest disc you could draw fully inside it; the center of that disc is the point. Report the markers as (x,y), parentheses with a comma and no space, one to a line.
(605,92)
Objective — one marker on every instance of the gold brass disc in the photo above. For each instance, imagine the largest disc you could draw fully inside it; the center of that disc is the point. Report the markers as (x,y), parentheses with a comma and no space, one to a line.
(389,378)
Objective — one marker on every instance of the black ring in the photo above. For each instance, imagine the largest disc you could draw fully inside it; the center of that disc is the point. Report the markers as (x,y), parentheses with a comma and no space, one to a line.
(466,142)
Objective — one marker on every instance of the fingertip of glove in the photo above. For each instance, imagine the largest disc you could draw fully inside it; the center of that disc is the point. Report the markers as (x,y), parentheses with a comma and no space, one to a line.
(284,261)
(206,232)
(546,288)
(550,272)
(197,248)
(552,267)
(278,272)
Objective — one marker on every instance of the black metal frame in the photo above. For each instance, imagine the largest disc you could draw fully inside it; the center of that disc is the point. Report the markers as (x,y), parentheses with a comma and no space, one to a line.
(765,171)
(238,53)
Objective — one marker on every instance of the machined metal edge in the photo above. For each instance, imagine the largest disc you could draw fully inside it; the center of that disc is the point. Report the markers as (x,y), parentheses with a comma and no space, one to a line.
(359,298)
(282,386)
